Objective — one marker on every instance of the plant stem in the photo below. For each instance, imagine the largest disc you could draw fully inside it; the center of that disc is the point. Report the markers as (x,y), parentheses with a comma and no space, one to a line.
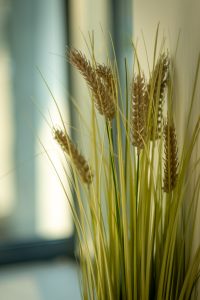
(126,125)
(137,179)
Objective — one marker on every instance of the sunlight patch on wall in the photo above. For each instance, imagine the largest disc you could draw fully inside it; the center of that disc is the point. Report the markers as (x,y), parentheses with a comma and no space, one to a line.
(6,138)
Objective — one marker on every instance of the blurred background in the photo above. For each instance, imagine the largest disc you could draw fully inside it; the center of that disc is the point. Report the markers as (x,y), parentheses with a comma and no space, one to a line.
(37,239)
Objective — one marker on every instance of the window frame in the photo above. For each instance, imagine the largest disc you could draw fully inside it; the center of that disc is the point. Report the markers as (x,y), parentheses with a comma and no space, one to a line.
(37,249)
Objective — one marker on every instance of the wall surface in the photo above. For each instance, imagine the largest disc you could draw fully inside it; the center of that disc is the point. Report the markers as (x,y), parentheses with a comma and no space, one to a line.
(174,16)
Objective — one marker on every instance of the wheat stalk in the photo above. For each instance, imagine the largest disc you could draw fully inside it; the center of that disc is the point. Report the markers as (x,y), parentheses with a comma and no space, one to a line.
(158,82)
(139,109)
(133,216)
(171,157)
(106,74)
(104,100)
(78,160)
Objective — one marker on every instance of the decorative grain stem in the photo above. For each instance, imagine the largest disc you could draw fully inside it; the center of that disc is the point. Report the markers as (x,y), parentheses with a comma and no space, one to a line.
(171,157)
(78,160)
(138,115)
(103,98)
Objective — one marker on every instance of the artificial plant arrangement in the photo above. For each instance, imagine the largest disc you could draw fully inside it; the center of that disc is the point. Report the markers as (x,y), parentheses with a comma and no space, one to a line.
(133,229)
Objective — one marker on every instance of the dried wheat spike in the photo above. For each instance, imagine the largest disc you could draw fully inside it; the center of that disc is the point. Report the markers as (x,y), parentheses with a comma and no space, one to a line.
(78,160)
(139,110)
(106,75)
(103,99)
(171,158)
(158,82)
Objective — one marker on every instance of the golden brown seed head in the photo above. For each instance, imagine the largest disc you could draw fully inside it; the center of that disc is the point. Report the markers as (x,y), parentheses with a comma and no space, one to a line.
(160,74)
(171,158)
(106,74)
(139,110)
(158,83)
(78,160)
(103,98)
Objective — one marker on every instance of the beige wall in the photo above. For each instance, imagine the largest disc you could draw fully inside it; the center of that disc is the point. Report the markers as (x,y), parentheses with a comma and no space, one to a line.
(174,15)
(87,17)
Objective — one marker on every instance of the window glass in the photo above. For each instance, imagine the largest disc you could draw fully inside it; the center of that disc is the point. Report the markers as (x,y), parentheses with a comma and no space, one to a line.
(32,40)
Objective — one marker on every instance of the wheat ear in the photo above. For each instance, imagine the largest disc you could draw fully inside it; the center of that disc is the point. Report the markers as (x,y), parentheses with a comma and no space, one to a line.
(158,82)
(171,157)
(103,99)
(78,160)
(139,109)
(106,74)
